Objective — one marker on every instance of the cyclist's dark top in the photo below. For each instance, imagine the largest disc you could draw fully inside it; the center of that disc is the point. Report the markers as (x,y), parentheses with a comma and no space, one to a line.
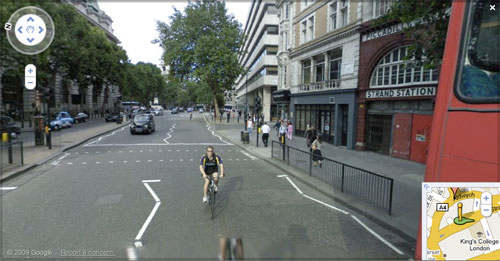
(212,165)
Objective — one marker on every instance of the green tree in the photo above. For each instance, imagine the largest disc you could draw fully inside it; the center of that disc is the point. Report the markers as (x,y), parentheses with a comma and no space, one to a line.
(429,20)
(201,47)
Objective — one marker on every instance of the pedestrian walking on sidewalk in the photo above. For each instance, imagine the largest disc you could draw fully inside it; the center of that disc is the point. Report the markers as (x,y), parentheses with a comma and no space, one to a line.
(289,131)
(316,151)
(277,126)
(249,126)
(265,133)
(282,132)
(310,135)
(228,114)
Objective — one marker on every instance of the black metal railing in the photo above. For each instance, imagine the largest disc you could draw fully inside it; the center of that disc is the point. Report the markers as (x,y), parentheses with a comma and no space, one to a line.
(372,187)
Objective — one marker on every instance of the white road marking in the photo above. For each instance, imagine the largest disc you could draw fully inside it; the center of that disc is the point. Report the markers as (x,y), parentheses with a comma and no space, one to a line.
(293,184)
(150,150)
(190,159)
(150,160)
(378,236)
(137,161)
(244,159)
(161,160)
(249,155)
(131,253)
(181,160)
(111,161)
(325,204)
(171,160)
(178,150)
(109,151)
(7,188)
(231,159)
(97,162)
(169,150)
(64,156)
(280,176)
(120,151)
(151,180)
(130,151)
(101,138)
(69,163)
(237,159)
(84,163)
(187,150)
(160,150)
(196,150)
(125,161)
(86,152)
(221,150)
(151,215)
(171,130)
(158,144)
(141,151)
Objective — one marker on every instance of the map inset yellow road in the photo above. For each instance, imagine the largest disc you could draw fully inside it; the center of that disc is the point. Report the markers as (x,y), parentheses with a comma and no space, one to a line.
(462,223)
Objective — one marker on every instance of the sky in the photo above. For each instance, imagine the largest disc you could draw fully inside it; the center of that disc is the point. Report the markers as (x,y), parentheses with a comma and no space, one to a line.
(134,23)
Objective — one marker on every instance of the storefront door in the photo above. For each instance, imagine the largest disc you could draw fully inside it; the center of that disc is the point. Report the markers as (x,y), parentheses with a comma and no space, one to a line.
(345,122)
(324,125)
(378,133)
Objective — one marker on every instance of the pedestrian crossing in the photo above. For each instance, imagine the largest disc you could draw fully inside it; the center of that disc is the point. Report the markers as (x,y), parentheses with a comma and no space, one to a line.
(82,157)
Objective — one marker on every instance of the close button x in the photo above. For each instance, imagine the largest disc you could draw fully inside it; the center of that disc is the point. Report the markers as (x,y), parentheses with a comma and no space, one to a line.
(492,7)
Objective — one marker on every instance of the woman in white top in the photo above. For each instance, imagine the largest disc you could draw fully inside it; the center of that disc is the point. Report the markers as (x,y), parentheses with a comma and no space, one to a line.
(316,150)
(249,126)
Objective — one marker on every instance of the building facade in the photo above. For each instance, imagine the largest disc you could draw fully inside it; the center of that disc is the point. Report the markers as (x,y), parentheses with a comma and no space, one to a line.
(259,58)
(21,103)
(319,67)
(396,97)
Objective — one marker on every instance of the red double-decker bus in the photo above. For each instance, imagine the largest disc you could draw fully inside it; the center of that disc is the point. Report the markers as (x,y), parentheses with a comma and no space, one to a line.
(465,143)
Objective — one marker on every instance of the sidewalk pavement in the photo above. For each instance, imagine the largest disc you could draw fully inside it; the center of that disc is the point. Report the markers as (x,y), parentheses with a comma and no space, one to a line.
(35,156)
(407,177)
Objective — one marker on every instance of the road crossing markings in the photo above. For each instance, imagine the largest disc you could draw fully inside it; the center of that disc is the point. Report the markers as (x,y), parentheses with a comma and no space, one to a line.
(137,161)
(125,161)
(56,162)
(181,160)
(150,161)
(171,160)
(131,253)
(7,188)
(84,163)
(346,213)
(130,151)
(190,159)
(161,160)
(178,150)
(111,162)
(97,162)
(86,152)
(138,243)
(248,155)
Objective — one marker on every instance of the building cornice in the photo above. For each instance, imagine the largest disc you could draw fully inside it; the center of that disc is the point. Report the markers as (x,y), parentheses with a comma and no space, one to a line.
(325,39)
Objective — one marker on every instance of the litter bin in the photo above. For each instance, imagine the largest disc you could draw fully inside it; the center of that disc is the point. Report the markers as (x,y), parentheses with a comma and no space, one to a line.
(245,138)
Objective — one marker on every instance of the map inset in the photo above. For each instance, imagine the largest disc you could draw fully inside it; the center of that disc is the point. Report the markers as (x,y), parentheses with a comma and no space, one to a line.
(461,221)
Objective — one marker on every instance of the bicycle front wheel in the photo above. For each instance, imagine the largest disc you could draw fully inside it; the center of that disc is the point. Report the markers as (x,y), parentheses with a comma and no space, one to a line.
(212,204)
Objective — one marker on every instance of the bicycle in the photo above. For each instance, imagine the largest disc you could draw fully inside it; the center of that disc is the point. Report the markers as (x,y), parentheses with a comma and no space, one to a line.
(211,195)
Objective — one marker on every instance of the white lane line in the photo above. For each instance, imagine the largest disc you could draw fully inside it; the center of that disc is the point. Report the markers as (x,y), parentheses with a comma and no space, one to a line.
(150,150)
(196,150)
(378,236)
(171,160)
(178,150)
(158,144)
(120,151)
(295,186)
(64,156)
(84,163)
(131,253)
(86,152)
(7,188)
(231,159)
(102,137)
(69,163)
(249,155)
(190,159)
(125,161)
(160,150)
(137,161)
(141,151)
(181,160)
(187,150)
(237,159)
(150,160)
(130,151)
(148,220)
(151,180)
(171,130)
(325,204)
(97,162)
(151,215)
(111,161)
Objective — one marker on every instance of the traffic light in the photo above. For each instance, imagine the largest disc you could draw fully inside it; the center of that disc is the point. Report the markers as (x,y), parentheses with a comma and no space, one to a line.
(258,104)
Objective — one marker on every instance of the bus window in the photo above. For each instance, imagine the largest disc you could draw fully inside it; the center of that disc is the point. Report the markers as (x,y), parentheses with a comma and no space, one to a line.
(478,80)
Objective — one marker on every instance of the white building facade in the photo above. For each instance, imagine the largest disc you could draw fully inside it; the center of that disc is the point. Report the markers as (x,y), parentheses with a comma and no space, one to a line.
(259,58)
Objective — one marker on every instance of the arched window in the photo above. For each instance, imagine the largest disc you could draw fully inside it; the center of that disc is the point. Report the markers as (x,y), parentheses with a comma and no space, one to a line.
(393,71)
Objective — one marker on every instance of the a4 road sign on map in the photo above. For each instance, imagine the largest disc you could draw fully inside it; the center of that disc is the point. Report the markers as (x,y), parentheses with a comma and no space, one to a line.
(461,221)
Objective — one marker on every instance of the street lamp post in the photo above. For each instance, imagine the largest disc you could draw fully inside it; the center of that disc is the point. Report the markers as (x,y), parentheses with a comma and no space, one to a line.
(246,101)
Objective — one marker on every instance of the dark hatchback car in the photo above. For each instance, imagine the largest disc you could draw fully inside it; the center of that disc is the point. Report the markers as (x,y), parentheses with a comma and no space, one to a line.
(143,123)
(7,124)
(81,117)
(114,116)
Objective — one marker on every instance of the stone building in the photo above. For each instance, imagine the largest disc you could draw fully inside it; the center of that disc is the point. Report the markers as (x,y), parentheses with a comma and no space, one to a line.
(21,103)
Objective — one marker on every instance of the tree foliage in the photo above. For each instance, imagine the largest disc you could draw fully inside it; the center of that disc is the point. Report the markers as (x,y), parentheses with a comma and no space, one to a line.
(201,48)
(429,20)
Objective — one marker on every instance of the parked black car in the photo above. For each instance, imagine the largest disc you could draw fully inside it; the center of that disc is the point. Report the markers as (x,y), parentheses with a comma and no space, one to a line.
(81,117)
(7,124)
(114,116)
(143,123)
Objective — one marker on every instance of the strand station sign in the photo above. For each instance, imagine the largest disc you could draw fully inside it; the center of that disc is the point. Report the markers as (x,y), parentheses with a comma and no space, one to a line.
(401,93)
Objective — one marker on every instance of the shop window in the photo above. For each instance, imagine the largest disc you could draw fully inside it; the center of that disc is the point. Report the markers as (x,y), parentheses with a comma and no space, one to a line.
(394,71)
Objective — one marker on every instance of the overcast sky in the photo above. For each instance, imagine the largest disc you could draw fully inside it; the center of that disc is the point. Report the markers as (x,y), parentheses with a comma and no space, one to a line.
(134,23)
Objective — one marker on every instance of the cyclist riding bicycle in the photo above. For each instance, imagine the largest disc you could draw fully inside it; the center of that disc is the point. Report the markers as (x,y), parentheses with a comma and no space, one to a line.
(209,166)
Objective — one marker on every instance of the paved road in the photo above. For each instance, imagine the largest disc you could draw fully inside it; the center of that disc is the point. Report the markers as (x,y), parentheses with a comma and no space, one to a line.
(93,198)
